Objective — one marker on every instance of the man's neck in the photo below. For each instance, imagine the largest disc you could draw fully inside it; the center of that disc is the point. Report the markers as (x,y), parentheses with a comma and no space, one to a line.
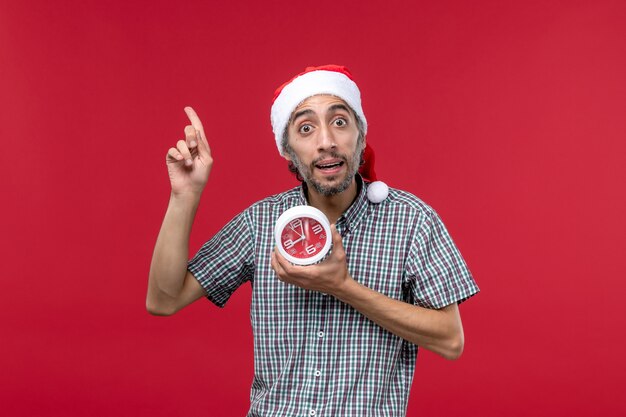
(333,206)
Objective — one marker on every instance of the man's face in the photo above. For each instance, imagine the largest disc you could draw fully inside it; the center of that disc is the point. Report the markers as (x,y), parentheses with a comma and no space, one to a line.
(323,143)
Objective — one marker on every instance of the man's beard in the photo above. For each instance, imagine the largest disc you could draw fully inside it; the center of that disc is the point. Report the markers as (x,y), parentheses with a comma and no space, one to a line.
(352,166)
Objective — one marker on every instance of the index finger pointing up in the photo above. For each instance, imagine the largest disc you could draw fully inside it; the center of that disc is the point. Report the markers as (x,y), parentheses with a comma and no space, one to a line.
(194,119)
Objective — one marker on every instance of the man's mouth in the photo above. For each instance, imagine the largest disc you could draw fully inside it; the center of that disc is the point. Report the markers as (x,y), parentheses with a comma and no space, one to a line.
(329,165)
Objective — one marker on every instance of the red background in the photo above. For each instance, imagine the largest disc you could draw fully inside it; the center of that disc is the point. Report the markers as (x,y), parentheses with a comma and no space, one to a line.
(508,117)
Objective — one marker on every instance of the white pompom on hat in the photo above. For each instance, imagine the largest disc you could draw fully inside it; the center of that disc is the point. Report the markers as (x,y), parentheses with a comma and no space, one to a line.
(377,192)
(335,80)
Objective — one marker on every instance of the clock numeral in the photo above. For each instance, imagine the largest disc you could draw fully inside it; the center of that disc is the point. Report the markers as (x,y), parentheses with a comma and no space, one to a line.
(288,244)
(317,229)
(297,223)
(311,249)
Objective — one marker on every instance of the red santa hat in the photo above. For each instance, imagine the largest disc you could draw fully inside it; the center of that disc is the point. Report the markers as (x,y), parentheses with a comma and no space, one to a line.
(335,80)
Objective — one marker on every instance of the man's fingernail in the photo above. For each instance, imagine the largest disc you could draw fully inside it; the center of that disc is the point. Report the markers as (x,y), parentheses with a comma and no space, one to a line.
(188,162)
(192,143)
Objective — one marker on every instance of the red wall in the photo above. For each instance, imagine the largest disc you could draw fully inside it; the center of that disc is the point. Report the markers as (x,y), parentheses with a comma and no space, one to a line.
(507,117)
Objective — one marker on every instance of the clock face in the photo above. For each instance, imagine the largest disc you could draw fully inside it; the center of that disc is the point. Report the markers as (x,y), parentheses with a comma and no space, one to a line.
(303,235)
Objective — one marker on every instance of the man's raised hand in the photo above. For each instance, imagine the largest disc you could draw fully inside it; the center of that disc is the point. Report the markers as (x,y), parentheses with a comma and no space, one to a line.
(189,163)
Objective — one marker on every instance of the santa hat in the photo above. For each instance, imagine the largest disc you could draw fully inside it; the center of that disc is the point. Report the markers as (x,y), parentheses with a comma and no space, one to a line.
(335,80)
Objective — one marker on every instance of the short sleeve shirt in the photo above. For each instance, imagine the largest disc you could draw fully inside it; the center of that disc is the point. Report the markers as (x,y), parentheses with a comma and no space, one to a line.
(313,354)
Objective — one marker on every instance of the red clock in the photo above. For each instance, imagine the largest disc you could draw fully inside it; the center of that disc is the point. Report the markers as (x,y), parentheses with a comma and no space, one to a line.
(303,235)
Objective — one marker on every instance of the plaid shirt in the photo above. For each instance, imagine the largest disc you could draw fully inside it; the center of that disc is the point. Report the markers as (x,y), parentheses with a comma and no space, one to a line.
(313,354)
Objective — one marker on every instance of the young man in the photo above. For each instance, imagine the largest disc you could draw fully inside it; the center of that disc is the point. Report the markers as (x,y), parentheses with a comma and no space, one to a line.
(339,337)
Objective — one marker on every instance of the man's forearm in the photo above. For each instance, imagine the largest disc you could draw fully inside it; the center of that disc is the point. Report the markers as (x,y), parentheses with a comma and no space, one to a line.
(171,252)
(439,331)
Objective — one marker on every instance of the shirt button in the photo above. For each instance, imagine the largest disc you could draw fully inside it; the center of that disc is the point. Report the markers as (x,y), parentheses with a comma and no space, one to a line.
(318,373)
(320,334)
(312,412)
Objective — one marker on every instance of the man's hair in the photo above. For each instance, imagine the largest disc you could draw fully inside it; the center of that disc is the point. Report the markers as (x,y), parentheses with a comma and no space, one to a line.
(289,150)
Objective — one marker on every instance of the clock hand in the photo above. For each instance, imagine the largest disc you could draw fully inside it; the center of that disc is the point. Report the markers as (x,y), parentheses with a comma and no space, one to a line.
(306,232)
(291,243)
(294,230)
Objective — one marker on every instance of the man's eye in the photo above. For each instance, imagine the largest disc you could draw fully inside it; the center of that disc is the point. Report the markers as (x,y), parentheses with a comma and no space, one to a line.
(340,122)
(305,128)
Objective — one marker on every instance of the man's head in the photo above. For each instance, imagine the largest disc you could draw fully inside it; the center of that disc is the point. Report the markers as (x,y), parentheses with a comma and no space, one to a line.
(332,80)
(324,143)
(320,128)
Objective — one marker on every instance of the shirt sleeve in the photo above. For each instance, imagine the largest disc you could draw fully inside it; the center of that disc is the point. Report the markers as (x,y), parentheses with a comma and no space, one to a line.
(436,272)
(226,261)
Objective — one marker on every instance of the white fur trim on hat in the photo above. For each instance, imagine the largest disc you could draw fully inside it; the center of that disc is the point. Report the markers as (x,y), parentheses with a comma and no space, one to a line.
(308,85)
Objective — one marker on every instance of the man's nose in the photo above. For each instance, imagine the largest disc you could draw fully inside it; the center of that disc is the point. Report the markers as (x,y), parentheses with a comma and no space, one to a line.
(326,139)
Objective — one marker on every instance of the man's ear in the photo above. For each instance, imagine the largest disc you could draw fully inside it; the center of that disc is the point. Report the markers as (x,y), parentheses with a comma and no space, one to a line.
(285,154)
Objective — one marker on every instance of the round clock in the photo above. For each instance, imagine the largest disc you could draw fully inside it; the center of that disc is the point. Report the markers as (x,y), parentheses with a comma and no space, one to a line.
(302,235)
